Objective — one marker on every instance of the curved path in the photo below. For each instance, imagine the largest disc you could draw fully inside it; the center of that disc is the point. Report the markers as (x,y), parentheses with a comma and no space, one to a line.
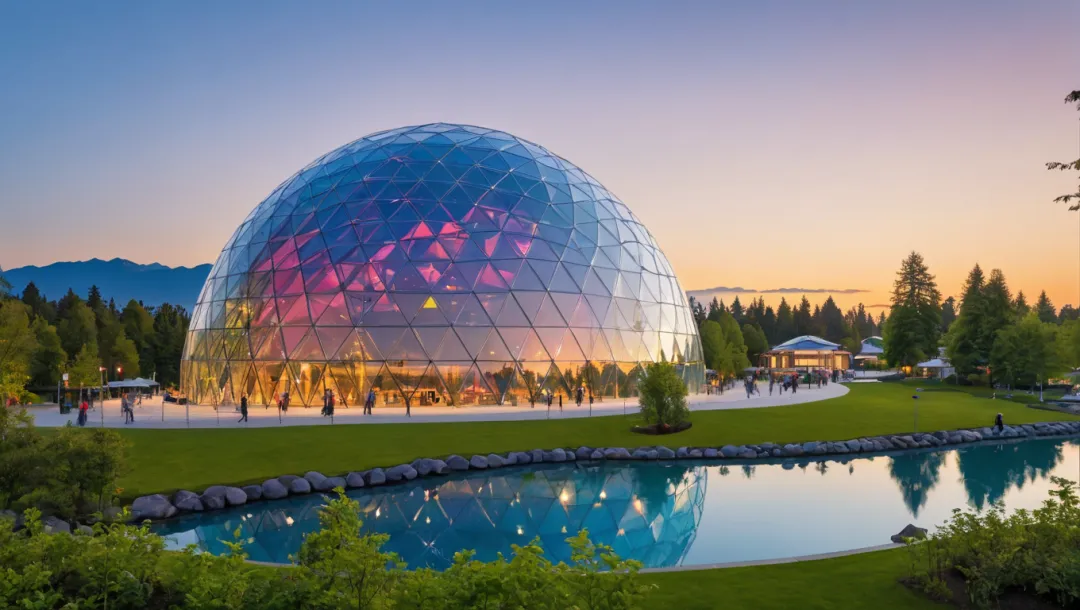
(155,414)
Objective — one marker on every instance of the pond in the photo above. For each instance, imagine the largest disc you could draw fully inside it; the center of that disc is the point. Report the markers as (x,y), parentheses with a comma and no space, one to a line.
(661,513)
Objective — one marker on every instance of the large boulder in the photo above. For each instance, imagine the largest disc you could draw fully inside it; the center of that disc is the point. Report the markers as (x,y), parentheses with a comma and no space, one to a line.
(695,453)
(332,483)
(234,496)
(273,489)
(212,502)
(458,463)
(287,479)
(375,476)
(910,531)
(401,472)
(354,480)
(711,452)
(55,525)
(300,486)
(478,462)
(315,478)
(520,457)
(729,451)
(495,460)
(558,454)
(537,455)
(583,453)
(187,501)
(422,466)
(155,506)
(854,446)
(665,454)
(439,467)
(253,492)
(747,454)
(597,455)
(215,491)
(793,450)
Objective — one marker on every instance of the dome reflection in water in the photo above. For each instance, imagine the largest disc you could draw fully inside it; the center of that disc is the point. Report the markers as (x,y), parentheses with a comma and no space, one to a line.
(664,514)
(650,514)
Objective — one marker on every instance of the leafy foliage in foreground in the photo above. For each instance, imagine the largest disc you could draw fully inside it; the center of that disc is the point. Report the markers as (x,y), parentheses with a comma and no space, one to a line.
(123,566)
(1037,551)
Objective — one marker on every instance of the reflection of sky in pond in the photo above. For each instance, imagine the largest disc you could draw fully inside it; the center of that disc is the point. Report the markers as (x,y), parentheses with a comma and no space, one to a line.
(665,514)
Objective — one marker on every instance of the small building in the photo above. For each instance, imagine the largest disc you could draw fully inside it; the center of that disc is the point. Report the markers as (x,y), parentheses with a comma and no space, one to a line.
(807,353)
(871,349)
(938,368)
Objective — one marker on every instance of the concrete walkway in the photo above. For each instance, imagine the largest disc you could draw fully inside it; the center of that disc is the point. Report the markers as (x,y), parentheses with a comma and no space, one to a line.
(155,414)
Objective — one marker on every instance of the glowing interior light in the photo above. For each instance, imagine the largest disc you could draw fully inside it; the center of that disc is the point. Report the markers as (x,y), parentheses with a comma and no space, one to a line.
(603,495)
(564,497)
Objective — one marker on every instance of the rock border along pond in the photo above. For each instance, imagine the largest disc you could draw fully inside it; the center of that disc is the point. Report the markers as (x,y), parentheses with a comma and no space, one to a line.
(215,497)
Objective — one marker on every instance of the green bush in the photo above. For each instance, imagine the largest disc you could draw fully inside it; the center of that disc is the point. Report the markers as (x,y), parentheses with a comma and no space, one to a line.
(663,395)
(1038,551)
(71,472)
(125,566)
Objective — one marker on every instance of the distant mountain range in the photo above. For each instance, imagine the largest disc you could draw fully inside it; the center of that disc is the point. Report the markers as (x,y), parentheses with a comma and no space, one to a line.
(118,279)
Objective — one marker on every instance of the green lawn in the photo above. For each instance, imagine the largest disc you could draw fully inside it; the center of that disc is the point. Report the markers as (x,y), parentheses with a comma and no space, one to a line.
(1020,396)
(167,460)
(868,580)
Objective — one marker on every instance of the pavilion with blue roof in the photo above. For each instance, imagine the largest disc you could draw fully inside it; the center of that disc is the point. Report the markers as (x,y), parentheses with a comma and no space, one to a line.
(807,353)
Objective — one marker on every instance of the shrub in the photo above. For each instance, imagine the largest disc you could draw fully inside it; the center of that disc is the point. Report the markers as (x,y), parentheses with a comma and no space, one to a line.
(1034,550)
(663,395)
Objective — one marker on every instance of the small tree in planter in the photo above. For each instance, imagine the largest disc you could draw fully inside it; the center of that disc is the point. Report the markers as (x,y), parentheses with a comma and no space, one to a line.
(662,396)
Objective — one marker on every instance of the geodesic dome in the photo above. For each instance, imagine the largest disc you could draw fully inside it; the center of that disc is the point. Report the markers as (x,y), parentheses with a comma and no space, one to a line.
(441,264)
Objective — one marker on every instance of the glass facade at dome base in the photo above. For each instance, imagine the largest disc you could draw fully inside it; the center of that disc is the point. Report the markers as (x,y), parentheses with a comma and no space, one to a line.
(442,265)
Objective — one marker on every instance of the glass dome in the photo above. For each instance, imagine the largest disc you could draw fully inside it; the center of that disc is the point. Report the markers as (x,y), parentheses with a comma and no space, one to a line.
(441,264)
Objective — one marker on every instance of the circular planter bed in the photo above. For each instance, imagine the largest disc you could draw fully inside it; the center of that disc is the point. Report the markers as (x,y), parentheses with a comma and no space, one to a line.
(658,430)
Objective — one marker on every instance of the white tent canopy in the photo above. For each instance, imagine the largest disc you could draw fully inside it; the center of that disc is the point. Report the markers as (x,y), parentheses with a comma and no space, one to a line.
(138,382)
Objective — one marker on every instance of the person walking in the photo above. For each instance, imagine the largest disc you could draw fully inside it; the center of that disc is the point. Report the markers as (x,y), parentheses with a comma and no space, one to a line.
(83,408)
(243,409)
(285,401)
(999,423)
(408,407)
(330,402)
(772,382)
(370,404)
(560,401)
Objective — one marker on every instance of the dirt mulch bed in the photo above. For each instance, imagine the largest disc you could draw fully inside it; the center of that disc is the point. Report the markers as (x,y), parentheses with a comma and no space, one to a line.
(1012,599)
(656,430)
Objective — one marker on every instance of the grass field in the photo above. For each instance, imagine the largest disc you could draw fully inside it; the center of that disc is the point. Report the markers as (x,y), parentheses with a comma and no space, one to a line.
(167,460)
(1020,396)
(868,580)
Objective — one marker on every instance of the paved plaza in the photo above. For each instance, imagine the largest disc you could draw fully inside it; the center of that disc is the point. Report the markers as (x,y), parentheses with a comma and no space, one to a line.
(154,413)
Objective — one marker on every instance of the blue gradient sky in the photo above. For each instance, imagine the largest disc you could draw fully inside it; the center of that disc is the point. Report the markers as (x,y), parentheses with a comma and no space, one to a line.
(767,144)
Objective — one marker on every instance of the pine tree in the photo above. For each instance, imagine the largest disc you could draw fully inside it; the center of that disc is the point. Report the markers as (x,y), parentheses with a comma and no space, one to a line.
(948,314)
(999,312)
(804,318)
(963,344)
(737,310)
(1020,305)
(715,308)
(785,323)
(1045,309)
(915,316)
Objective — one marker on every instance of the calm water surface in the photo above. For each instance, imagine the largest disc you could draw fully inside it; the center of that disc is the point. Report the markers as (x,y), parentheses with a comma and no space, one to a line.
(663,514)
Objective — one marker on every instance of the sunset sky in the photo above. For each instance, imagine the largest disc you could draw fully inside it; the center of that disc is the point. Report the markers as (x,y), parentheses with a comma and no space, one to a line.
(766,145)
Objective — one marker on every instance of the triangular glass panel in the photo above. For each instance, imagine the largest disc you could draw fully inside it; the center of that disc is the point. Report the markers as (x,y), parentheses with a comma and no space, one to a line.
(544,270)
(337,313)
(293,335)
(474,388)
(548,315)
(308,350)
(384,312)
(472,313)
(512,315)
(514,338)
(567,302)
(332,338)
(493,303)
(452,280)
(407,348)
(532,348)
(562,282)
(410,303)
(494,349)
(386,338)
(451,348)
(408,279)
(509,269)
(527,279)
(473,339)
(429,313)
(498,375)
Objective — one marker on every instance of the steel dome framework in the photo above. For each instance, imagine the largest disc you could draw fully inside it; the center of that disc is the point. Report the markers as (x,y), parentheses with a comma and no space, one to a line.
(443,264)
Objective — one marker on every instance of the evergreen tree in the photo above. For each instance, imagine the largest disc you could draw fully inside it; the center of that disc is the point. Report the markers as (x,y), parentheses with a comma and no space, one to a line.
(714,348)
(77,327)
(1068,312)
(804,319)
(695,308)
(768,325)
(715,308)
(94,300)
(1045,309)
(1020,305)
(915,316)
(37,303)
(832,324)
(84,372)
(139,327)
(49,358)
(880,329)
(999,311)
(17,345)
(170,330)
(737,310)
(963,344)
(948,314)
(68,301)
(785,323)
